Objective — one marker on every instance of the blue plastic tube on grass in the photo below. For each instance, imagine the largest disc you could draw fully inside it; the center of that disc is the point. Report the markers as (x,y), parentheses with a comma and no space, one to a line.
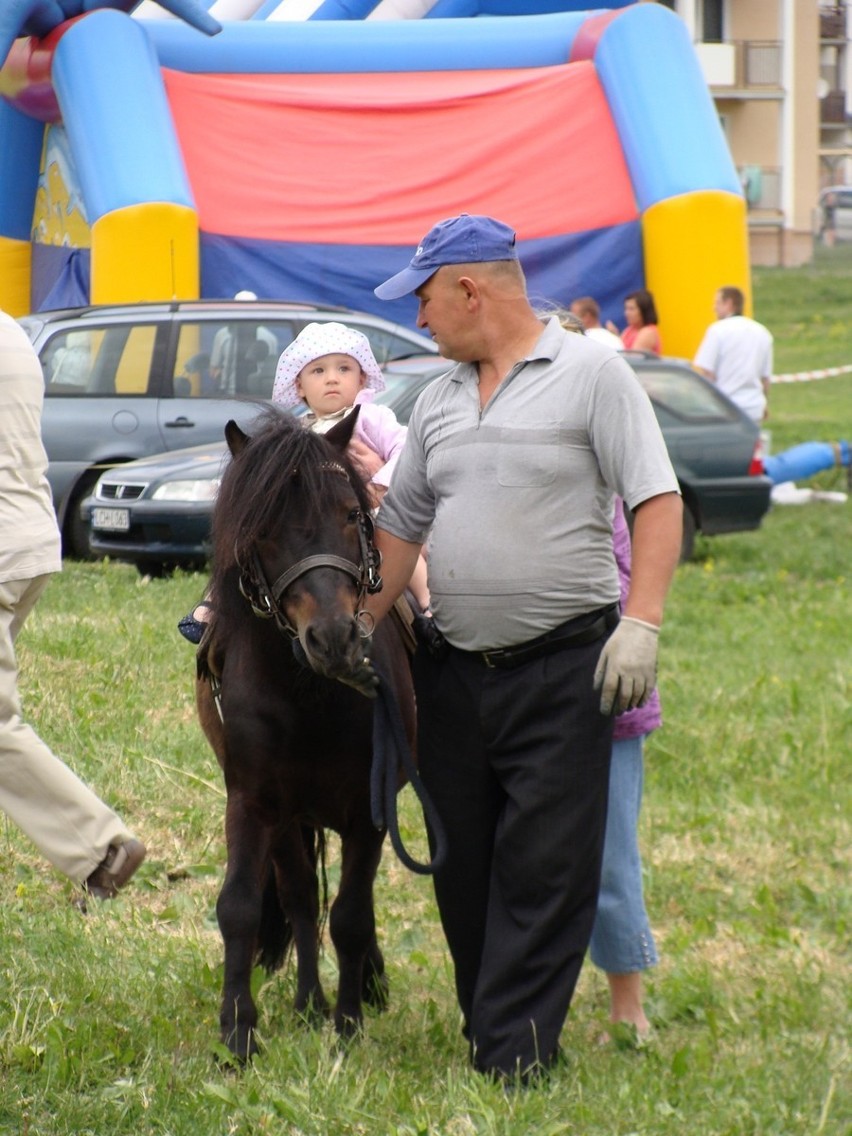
(805,460)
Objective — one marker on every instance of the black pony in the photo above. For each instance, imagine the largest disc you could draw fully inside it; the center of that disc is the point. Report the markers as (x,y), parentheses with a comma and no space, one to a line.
(293,561)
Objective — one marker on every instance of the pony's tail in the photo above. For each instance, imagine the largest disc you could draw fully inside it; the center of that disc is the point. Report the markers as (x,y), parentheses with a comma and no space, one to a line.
(275,933)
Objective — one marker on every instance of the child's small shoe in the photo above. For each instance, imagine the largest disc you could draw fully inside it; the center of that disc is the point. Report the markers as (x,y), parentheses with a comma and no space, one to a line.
(193,629)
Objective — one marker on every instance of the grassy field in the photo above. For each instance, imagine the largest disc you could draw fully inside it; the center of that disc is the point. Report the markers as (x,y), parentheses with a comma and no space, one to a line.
(808,310)
(108,1022)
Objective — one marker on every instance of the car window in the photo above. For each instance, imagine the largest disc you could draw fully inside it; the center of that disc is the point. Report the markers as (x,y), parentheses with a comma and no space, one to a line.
(684,393)
(217,359)
(385,344)
(99,361)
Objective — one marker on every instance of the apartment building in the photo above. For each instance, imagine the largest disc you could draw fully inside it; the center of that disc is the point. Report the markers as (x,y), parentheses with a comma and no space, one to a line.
(779,73)
(835,94)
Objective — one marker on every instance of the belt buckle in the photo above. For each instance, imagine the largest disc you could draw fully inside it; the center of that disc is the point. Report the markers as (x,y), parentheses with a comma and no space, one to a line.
(487,659)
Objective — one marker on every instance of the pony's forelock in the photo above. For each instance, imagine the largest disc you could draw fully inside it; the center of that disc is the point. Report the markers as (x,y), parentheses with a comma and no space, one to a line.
(282,470)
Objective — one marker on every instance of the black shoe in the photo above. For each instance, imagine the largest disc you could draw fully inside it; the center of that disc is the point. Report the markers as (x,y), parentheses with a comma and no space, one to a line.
(193,629)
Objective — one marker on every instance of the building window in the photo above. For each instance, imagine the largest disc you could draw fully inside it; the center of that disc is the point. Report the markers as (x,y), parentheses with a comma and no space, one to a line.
(712,25)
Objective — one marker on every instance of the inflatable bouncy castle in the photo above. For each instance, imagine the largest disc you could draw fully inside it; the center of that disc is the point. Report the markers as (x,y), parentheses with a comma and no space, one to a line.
(303,158)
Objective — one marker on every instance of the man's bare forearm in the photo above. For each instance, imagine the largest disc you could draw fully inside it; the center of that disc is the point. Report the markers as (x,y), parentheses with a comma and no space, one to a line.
(398,560)
(657,535)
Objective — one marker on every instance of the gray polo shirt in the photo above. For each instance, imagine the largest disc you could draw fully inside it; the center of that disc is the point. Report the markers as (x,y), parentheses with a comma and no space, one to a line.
(516,499)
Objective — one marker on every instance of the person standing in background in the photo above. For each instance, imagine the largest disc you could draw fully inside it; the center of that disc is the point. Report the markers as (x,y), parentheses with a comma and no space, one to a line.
(622,942)
(736,355)
(69,825)
(641,332)
(588,311)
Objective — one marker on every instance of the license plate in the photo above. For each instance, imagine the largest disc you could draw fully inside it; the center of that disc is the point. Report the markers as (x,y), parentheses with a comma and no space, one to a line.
(115,520)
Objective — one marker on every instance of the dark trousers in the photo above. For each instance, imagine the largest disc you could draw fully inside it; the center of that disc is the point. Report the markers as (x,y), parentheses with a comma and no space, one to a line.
(517,764)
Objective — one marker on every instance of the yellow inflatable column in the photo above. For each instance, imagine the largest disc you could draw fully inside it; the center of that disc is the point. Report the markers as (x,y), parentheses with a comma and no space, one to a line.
(15,276)
(145,252)
(694,244)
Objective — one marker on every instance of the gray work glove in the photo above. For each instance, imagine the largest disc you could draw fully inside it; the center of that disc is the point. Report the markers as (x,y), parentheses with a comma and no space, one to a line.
(626,673)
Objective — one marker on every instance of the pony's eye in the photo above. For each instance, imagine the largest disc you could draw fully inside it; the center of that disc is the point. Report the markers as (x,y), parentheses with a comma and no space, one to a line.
(354,514)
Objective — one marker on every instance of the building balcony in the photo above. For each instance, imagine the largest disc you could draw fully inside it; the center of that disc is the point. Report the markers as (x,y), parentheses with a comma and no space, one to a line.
(832,22)
(762,189)
(745,68)
(832,109)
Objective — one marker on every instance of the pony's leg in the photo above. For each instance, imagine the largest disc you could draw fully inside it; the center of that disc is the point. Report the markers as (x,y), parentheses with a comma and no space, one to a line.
(374,982)
(352,924)
(295,858)
(238,910)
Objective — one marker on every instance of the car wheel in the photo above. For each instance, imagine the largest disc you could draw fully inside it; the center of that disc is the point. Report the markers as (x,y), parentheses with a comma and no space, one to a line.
(155,569)
(687,544)
(76,532)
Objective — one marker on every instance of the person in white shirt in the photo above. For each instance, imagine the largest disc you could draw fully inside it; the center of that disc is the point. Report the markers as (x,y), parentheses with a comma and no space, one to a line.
(736,354)
(588,311)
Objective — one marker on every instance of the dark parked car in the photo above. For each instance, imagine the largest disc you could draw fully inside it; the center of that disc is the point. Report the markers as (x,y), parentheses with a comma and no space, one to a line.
(128,380)
(157,512)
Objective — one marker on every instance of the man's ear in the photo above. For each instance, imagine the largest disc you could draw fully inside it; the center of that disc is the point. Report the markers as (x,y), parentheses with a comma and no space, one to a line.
(469,287)
(340,435)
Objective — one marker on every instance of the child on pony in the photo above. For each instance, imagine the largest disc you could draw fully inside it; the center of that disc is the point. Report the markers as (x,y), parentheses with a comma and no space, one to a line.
(331,369)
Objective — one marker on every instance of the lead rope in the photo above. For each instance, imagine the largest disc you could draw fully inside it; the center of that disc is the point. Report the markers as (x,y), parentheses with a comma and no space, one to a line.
(391,752)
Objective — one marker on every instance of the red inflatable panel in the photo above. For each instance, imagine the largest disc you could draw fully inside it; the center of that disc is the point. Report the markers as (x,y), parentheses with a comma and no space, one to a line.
(355,159)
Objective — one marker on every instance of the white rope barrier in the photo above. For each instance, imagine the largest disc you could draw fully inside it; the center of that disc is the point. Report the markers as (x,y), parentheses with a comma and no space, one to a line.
(810,376)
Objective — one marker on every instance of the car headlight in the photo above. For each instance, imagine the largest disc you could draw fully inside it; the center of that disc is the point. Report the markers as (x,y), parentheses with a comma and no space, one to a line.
(204,489)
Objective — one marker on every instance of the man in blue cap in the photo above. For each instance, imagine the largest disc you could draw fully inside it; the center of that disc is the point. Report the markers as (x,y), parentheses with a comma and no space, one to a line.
(509,469)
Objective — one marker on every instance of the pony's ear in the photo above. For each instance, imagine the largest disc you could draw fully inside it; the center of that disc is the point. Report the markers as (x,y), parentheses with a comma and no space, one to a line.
(234,436)
(341,435)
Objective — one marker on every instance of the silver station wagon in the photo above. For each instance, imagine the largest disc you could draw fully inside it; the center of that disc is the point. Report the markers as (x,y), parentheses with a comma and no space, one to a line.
(129,380)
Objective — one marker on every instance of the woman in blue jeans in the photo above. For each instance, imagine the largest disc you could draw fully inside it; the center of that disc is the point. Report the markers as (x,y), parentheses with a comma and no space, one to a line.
(622,943)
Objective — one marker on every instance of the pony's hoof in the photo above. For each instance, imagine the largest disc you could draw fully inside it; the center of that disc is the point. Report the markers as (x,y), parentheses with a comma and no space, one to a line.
(313,1011)
(237,1049)
(376,991)
(348,1028)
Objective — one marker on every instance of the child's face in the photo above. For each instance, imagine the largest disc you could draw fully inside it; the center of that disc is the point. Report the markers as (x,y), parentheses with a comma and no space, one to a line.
(330,383)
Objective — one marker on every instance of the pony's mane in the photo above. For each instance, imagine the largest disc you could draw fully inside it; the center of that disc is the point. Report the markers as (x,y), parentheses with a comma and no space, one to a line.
(282,471)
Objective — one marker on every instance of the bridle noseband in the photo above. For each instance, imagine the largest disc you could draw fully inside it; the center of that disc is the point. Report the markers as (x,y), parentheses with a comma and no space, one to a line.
(266,599)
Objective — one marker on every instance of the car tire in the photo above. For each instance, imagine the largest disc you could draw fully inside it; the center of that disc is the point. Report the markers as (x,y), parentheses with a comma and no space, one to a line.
(155,569)
(687,544)
(76,533)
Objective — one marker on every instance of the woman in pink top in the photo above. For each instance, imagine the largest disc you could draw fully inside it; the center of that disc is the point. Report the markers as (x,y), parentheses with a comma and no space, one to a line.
(641,332)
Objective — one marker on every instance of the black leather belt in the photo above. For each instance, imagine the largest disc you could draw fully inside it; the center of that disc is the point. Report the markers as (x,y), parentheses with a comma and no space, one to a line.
(559,639)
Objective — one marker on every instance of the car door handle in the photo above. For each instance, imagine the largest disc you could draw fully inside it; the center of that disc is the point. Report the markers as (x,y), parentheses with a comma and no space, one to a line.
(181,422)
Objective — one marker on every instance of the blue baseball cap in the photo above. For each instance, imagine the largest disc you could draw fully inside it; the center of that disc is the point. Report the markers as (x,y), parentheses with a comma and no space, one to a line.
(466,239)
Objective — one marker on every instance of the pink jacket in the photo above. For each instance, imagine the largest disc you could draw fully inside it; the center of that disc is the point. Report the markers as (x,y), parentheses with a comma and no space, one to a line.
(377,428)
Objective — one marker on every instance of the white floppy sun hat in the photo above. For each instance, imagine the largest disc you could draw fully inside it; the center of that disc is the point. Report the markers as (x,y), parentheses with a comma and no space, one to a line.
(313,341)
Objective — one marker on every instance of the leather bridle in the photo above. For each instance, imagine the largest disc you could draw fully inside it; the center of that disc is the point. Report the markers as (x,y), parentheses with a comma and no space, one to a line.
(266,599)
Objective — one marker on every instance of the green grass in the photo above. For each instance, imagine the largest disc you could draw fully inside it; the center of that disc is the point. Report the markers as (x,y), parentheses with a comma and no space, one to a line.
(808,310)
(108,1023)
